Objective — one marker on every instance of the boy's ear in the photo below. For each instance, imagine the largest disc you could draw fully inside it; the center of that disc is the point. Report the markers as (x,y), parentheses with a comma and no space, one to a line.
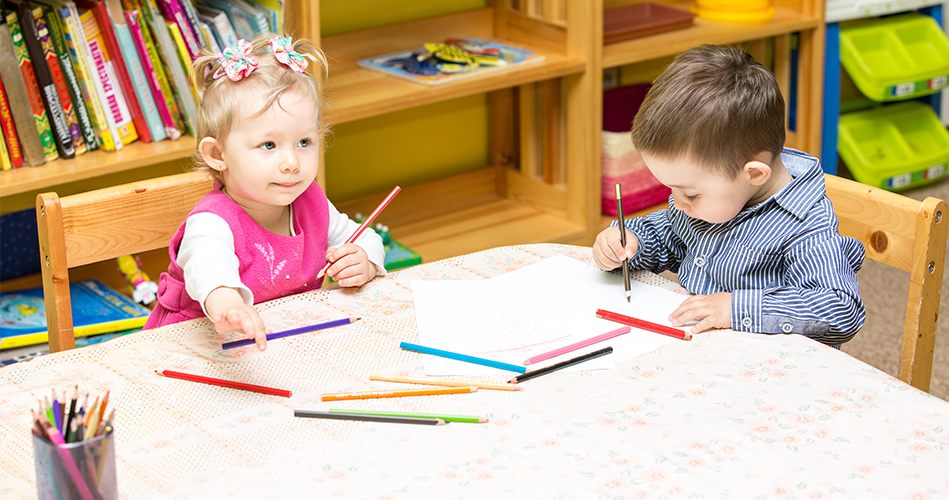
(213,153)
(758,169)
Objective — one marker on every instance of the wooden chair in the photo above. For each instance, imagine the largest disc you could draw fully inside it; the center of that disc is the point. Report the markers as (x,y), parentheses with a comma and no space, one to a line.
(909,235)
(104,224)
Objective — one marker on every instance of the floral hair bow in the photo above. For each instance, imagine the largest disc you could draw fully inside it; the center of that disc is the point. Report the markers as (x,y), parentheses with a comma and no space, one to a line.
(283,50)
(236,61)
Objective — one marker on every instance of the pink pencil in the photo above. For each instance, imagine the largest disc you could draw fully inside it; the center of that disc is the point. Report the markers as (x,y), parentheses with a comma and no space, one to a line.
(578,345)
(362,227)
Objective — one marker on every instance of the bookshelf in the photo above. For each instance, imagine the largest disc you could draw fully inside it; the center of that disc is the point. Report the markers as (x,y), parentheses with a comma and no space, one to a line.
(542,183)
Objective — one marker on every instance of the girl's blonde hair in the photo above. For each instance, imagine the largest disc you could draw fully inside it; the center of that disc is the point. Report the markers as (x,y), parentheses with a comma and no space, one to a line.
(219,99)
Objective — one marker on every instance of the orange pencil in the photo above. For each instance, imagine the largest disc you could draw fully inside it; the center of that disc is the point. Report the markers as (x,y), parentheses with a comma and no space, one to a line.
(399,393)
(443,381)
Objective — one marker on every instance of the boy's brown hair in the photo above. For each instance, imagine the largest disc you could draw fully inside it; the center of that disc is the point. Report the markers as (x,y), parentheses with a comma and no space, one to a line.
(219,98)
(715,106)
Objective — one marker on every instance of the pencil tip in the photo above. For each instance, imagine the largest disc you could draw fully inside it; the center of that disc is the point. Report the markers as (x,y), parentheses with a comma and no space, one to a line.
(482,420)
(441,422)
(527,363)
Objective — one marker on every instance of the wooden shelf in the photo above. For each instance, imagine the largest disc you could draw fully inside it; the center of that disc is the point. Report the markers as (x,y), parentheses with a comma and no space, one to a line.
(94,164)
(357,93)
(702,32)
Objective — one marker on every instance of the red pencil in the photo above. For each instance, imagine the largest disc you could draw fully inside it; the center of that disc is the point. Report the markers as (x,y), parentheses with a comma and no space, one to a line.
(224,383)
(362,227)
(643,324)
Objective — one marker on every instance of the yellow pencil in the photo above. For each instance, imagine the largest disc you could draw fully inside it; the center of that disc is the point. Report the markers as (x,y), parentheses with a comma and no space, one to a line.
(443,381)
(397,393)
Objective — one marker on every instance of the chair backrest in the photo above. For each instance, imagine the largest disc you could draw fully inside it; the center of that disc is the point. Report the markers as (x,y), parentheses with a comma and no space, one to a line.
(104,224)
(906,234)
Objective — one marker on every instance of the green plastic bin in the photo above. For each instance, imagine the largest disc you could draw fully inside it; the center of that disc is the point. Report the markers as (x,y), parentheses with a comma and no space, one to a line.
(896,58)
(897,146)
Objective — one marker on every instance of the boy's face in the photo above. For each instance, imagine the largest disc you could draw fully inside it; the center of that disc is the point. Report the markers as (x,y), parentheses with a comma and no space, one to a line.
(699,193)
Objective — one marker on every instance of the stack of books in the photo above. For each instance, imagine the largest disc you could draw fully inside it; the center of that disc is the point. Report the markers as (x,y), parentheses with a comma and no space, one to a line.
(81,75)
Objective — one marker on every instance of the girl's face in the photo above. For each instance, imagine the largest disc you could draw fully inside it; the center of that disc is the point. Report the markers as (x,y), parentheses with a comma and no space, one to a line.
(270,158)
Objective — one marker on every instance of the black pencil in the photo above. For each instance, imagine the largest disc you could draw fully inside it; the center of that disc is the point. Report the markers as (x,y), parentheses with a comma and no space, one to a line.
(622,237)
(563,364)
(368,418)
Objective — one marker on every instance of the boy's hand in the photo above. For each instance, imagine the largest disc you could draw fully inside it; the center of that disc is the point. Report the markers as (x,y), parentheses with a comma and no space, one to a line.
(229,313)
(608,252)
(711,311)
(351,265)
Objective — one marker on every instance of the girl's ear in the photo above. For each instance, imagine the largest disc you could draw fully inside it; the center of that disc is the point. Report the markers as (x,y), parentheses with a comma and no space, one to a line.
(213,153)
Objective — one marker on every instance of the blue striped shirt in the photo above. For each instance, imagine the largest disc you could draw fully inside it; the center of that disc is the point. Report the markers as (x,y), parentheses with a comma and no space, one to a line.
(787,267)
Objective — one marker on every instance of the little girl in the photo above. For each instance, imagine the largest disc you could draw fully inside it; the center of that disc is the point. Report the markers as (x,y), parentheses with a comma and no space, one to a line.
(266,229)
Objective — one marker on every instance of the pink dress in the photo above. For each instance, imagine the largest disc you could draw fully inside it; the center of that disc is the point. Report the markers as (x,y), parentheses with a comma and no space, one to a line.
(271,266)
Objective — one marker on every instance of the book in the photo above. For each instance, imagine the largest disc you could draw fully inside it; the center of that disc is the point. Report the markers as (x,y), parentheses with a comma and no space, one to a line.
(273,9)
(136,72)
(35,98)
(173,12)
(424,66)
(106,33)
(81,104)
(58,76)
(245,23)
(209,39)
(159,88)
(89,82)
(179,83)
(58,120)
(5,163)
(112,93)
(96,308)
(19,101)
(10,141)
(219,24)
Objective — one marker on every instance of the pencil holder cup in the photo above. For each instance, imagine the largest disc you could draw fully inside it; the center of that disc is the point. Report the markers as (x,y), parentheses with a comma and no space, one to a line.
(81,471)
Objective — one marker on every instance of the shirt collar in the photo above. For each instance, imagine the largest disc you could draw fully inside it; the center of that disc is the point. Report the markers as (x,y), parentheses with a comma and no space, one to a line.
(806,187)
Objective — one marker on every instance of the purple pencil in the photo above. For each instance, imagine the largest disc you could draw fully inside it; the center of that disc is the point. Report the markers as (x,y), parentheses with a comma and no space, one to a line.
(578,345)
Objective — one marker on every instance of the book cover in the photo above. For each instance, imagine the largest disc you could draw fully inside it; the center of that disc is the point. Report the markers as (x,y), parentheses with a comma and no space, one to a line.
(140,85)
(114,98)
(96,308)
(10,140)
(208,37)
(5,163)
(178,80)
(219,24)
(58,77)
(21,112)
(40,117)
(243,22)
(106,32)
(89,82)
(445,64)
(151,73)
(83,115)
(173,12)
(44,80)
(273,9)
(191,14)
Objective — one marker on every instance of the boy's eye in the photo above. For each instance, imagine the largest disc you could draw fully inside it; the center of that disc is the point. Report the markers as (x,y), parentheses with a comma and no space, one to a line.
(690,198)
(267,145)
(304,143)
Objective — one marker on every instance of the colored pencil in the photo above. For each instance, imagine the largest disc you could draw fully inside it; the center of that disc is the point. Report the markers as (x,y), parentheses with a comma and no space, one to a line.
(57,414)
(643,324)
(391,419)
(362,227)
(57,439)
(343,396)
(462,357)
(71,415)
(622,237)
(468,419)
(442,381)
(559,366)
(579,345)
(224,383)
(295,331)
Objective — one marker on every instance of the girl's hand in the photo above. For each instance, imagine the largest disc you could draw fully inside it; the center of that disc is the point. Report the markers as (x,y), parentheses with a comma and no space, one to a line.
(229,314)
(351,265)
(711,311)
(608,252)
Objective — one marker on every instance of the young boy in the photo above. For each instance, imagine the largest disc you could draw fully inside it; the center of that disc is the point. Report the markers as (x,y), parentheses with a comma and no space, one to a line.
(749,228)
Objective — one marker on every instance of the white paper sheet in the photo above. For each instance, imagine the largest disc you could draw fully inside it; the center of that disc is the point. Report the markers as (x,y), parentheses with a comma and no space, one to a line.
(533,310)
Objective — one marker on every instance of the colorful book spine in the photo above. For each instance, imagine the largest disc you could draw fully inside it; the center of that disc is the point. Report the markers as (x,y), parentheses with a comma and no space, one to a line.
(10,140)
(164,106)
(103,64)
(173,12)
(19,101)
(40,116)
(180,85)
(79,100)
(139,81)
(5,163)
(92,86)
(59,81)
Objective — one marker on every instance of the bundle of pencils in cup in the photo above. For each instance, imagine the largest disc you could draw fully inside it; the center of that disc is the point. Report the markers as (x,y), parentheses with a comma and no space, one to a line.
(73,419)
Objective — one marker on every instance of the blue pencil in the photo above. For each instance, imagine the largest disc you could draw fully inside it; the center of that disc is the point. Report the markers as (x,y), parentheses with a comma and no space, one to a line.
(462,357)
(287,333)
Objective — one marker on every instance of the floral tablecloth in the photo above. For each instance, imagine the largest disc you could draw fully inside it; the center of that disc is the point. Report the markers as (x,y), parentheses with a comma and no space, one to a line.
(727,415)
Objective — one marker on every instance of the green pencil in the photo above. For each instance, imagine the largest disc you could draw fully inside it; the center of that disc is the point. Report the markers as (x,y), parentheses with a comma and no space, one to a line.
(469,419)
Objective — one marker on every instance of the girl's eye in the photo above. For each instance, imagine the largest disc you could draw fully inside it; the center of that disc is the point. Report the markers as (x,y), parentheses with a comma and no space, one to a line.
(304,143)
(268,146)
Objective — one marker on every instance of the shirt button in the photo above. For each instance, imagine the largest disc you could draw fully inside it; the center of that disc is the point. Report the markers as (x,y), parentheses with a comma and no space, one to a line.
(746,322)
(700,261)
(787,327)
